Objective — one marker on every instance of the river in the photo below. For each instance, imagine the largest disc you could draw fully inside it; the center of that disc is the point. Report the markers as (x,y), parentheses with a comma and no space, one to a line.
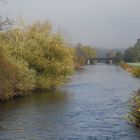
(91,106)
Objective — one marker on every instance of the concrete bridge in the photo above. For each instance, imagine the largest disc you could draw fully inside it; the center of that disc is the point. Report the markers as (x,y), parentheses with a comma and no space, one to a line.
(105,60)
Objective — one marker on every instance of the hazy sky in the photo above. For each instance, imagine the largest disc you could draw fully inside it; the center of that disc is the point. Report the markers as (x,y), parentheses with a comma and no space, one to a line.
(103,23)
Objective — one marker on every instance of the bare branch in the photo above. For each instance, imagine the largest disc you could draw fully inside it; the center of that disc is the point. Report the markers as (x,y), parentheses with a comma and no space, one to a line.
(5,24)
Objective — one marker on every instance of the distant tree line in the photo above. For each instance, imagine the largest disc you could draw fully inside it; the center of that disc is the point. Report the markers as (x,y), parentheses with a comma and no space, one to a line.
(133,53)
(117,55)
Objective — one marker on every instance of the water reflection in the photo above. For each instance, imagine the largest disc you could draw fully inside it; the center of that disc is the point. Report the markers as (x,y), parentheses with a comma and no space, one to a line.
(45,97)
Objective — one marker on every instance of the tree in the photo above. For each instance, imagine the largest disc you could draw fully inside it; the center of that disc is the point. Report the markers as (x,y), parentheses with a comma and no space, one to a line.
(32,58)
(111,54)
(83,52)
(133,53)
(47,53)
(118,57)
(128,54)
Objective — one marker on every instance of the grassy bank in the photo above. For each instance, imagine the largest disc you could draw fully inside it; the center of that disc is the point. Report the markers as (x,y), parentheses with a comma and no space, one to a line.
(133,68)
(134,103)
(134,114)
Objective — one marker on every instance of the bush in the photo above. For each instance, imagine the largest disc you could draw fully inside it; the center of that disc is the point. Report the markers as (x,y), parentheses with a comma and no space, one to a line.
(15,77)
(124,65)
(34,57)
(83,53)
(134,114)
(136,72)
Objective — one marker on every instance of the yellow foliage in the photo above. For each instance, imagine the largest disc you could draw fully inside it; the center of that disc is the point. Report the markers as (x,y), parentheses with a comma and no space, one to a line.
(40,57)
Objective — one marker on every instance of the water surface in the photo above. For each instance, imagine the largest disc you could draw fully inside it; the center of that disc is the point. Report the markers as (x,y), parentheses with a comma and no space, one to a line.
(91,106)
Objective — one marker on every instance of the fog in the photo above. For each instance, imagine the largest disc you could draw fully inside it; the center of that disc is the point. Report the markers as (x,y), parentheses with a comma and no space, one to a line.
(100,23)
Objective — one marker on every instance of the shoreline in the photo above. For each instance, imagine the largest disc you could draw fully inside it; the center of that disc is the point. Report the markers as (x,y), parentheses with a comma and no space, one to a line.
(132,69)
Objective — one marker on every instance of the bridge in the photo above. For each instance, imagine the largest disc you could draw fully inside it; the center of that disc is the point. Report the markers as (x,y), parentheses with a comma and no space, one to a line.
(106,60)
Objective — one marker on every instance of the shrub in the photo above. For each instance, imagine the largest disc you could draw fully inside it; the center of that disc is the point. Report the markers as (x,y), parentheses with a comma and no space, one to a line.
(83,53)
(134,114)
(45,52)
(124,65)
(34,57)
(136,72)
(15,76)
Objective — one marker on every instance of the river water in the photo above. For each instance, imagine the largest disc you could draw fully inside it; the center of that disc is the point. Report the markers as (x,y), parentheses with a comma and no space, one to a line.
(91,106)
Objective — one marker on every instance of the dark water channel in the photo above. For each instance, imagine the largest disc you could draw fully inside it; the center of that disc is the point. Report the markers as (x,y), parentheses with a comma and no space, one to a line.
(91,106)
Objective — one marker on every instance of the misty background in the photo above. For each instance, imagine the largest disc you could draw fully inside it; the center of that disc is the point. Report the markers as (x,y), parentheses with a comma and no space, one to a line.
(98,23)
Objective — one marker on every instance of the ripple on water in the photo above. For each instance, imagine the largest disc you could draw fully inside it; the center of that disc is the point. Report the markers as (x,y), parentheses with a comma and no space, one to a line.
(91,106)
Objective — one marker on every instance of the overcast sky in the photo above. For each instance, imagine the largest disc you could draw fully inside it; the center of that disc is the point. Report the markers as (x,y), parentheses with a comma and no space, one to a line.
(103,23)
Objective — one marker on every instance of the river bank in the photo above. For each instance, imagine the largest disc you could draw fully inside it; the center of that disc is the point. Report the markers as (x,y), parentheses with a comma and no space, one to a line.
(134,102)
(134,113)
(132,68)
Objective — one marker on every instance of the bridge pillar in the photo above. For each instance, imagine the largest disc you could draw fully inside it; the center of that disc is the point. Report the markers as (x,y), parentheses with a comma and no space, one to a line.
(88,62)
(110,62)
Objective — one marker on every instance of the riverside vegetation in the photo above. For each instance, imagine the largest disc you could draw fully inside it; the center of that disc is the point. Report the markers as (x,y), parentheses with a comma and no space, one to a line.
(134,114)
(34,57)
(134,104)
(133,69)
(132,53)
(82,53)
(132,57)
